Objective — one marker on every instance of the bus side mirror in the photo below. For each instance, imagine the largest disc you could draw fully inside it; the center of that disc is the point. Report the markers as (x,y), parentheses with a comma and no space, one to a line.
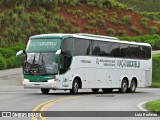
(18,54)
(57,56)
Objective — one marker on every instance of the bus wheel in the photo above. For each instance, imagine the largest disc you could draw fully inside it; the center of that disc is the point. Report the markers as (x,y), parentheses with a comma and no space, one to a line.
(75,87)
(133,86)
(107,90)
(95,90)
(45,91)
(124,86)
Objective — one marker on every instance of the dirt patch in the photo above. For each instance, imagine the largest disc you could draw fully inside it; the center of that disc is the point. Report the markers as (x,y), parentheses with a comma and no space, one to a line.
(76,15)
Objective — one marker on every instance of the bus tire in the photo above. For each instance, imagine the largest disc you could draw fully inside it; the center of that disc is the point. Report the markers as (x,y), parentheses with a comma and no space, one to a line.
(45,91)
(107,89)
(124,86)
(75,87)
(95,90)
(133,86)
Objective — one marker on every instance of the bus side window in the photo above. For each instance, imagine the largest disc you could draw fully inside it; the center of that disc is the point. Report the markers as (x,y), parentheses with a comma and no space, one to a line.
(66,54)
(81,47)
(95,48)
(142,52)
(104,48)
(125,50)
(88,47)
(147,52)
(114,49)
(134,51)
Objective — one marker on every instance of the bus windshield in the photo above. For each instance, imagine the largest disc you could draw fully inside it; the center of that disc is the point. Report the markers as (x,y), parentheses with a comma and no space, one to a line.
(40,64)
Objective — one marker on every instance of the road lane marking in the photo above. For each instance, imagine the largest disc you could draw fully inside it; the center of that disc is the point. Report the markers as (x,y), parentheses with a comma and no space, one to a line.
(140,106)
(43,106)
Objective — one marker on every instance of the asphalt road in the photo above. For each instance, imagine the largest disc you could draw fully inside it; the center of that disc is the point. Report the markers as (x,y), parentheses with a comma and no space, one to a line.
(13,97)
(156,52)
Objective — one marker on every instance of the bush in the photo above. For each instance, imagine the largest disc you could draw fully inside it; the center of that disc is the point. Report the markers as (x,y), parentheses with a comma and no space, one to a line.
(87,27)
(6,53)
(154,40)
(90,16)
(73,2)
(136,30)
(113,21)
(11,62)
(154,30)
(101,22)
(110,31)
(58,19)
(156,70)
(19,10)
(76,30)
(3,64)
(122,33)
(144,22)
(75,12)
(156,44)
(145,25)
(92,22)
(126,20)
(25,18)
(17,48)
(53,28)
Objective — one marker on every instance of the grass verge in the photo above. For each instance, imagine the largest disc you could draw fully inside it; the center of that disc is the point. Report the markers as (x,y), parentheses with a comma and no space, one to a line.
(154,106)
(156,70)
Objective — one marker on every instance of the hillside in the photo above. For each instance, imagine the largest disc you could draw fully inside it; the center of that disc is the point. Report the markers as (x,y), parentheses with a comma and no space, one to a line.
(108,21)
(21,19)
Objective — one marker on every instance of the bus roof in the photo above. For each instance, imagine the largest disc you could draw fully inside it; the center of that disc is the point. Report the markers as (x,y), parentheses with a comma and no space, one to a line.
(86,36)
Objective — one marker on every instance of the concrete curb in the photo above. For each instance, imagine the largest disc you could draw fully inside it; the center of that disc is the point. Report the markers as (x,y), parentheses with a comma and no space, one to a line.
(140,106)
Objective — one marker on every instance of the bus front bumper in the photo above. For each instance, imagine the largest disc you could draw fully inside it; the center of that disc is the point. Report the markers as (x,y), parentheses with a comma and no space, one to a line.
(50,84)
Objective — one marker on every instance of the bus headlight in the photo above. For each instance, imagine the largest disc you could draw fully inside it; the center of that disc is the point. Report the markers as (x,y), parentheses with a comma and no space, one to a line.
(51,80)
(26,80)
(53,83)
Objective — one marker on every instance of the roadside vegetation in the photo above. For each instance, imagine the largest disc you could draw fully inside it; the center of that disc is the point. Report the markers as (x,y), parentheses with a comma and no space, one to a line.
(154,40)
(156,70)
(153,106)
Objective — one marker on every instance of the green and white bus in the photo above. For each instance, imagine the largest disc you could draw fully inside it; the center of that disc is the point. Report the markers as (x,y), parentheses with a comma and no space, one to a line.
(82,61)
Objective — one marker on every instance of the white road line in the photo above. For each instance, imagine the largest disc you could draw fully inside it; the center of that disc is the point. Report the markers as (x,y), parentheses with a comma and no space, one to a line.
(140,106)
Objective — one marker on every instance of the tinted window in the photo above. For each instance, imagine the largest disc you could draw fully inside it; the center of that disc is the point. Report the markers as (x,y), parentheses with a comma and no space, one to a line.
(114,50)
(100,48)
(142,52)
(125,50)
(95,48)
(134,51)
(147,52)
(81,47)
(104,48)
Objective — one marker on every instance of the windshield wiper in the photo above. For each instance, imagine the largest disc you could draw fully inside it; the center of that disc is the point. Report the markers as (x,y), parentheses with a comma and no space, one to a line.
(33,60)
(43,63)
(42,67)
